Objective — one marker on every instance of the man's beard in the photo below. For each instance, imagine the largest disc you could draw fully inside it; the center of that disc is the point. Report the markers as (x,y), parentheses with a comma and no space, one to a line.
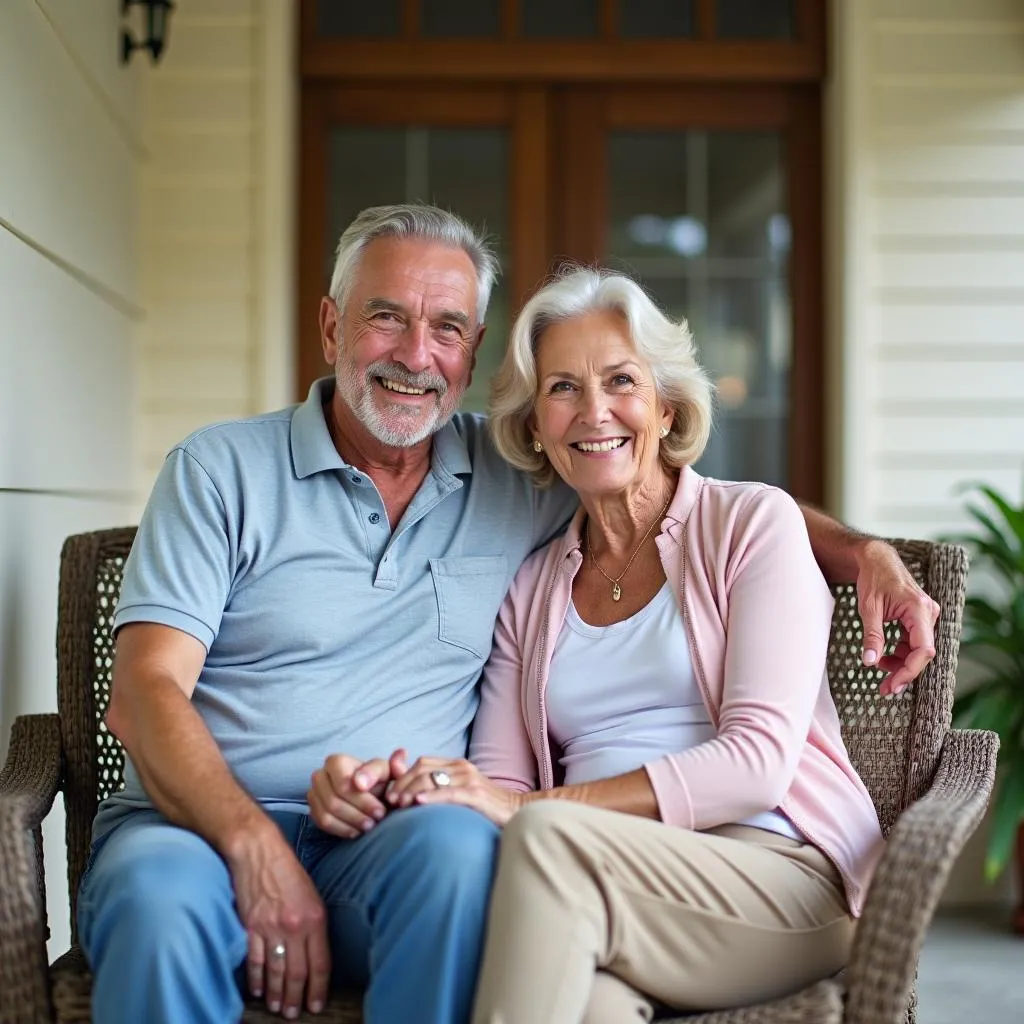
(396,425)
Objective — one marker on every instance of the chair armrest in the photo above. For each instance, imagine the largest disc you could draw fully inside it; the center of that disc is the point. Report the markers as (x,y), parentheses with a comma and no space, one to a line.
(28,785)
(31,777)
(912,875)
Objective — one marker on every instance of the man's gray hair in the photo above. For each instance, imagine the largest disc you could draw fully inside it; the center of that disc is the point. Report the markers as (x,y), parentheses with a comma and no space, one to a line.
(413,220)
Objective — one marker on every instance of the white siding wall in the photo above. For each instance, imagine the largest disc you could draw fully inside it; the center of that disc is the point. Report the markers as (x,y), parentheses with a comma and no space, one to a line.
(68,307)
(201,354)
(927,176)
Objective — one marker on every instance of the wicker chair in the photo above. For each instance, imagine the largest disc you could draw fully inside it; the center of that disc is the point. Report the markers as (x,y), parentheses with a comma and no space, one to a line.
(930,785)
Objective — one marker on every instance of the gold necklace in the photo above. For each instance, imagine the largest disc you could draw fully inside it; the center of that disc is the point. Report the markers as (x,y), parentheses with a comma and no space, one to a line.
(616,589)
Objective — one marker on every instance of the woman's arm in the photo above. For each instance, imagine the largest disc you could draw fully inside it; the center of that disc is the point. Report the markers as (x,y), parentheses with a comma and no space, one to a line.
(777,631)
(500,743)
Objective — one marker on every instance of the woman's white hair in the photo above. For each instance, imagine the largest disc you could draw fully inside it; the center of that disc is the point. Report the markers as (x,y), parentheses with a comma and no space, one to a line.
(413,220)
(665,346)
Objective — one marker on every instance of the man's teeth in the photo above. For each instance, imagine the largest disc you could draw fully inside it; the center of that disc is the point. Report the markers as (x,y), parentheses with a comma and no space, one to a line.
(601,446)
(393,385)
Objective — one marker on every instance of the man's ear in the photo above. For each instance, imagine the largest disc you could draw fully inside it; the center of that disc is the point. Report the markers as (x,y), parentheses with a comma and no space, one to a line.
(329,323)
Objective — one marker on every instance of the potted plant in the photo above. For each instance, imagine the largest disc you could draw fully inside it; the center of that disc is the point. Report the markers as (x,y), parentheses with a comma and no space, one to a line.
(993,638)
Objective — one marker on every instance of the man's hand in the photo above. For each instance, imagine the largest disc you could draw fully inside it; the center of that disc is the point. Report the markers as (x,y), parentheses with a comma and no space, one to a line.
(887,592)
(281,910)
(346,795)
(467,785)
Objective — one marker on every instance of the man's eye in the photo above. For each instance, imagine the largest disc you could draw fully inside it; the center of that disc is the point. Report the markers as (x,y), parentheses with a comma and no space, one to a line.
(451,329)
(386,317)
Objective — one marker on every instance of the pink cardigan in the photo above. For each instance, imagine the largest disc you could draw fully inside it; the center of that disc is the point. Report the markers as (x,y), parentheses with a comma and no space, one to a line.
(742,563)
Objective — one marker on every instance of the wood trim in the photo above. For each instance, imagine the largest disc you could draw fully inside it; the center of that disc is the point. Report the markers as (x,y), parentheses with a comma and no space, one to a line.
(806,284)
(704,19)
(454,106)
(547,61)
(410,15)
(510,19)
(699,106)
(307,24)
(582,177)
(608,18)
(312,241)
(812,27)
(530,194)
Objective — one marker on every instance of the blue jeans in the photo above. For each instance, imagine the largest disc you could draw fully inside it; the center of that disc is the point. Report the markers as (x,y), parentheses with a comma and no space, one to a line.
(406,912)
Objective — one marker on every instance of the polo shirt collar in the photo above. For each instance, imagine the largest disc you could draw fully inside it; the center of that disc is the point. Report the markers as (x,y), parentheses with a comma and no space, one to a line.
(313,450)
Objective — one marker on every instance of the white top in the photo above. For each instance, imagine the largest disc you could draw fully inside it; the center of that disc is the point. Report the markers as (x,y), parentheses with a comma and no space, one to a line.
(621,696)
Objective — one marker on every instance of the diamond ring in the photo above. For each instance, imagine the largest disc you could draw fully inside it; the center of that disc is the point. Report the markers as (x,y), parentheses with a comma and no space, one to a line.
(278,950)
(440,779)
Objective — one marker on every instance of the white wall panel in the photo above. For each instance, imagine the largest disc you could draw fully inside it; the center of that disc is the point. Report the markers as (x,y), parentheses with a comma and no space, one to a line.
(68,174)
(92,32)
(66,393)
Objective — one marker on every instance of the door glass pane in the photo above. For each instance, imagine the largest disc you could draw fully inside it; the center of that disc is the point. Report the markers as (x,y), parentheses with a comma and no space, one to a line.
(461,18)
(560,19)
(462,169)
(754,19)
(656,19)
(700,218)
(358,18)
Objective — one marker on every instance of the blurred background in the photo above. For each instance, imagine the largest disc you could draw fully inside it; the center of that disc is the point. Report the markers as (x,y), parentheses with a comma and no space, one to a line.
(831,193)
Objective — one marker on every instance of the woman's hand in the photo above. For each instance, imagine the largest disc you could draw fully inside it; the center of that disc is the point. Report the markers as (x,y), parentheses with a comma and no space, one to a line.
(467,786)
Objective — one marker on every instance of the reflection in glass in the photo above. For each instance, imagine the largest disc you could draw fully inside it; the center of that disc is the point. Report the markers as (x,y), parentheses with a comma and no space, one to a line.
(461,18)
(559,19)
(754,19)
(656,19)
(700,219)
(464,170)
(358,18)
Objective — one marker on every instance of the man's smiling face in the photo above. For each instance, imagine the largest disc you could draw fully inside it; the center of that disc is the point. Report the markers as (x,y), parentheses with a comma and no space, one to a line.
(404,344)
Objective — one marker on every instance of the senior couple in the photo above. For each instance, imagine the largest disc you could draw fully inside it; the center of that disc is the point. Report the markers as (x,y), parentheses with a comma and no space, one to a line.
(657,807)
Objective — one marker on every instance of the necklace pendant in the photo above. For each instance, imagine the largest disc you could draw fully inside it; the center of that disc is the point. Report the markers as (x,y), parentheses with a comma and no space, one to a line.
(616,591)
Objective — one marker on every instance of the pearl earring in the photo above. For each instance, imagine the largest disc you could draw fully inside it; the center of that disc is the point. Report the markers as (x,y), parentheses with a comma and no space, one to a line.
(663,433)
(537,446)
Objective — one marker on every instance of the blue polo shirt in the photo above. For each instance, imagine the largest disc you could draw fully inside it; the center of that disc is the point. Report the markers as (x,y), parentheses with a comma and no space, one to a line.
(326,630)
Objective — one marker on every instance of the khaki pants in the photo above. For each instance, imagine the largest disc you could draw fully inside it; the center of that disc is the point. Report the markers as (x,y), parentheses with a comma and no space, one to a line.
(596,916)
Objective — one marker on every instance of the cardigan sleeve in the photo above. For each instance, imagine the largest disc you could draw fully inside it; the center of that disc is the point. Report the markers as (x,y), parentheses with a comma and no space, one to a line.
(778,619)
(500,742)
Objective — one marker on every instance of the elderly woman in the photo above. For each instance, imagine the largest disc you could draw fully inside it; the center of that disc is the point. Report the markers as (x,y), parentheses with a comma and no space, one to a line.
(684,825)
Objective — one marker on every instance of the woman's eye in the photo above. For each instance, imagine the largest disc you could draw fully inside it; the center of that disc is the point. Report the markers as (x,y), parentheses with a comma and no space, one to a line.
(622,380)
(560,386)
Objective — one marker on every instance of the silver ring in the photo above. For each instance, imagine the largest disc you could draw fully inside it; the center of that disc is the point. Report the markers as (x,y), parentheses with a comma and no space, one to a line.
(278,951)
(440,779)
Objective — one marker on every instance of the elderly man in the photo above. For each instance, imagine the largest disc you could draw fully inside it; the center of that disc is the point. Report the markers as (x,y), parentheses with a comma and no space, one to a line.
(326,579)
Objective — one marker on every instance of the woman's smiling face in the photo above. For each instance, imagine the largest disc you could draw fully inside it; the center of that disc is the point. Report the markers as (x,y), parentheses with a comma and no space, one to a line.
(597,411)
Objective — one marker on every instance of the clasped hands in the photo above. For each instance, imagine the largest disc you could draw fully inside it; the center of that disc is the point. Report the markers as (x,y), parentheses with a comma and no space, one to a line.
(348,797)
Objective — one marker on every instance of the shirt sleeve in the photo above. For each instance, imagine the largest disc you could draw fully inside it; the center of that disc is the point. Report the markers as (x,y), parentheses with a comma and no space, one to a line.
(180,568)
(500,743)
(777,632)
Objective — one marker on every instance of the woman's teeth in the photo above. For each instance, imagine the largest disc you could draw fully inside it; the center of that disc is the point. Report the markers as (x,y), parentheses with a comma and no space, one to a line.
(393,385)
(600,446)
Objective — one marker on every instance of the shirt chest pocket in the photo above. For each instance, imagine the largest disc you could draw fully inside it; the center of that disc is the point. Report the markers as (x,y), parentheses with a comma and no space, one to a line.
(469,593)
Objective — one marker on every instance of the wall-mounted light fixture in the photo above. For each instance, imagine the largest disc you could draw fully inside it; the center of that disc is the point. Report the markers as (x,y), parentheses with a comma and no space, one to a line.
(158,13)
